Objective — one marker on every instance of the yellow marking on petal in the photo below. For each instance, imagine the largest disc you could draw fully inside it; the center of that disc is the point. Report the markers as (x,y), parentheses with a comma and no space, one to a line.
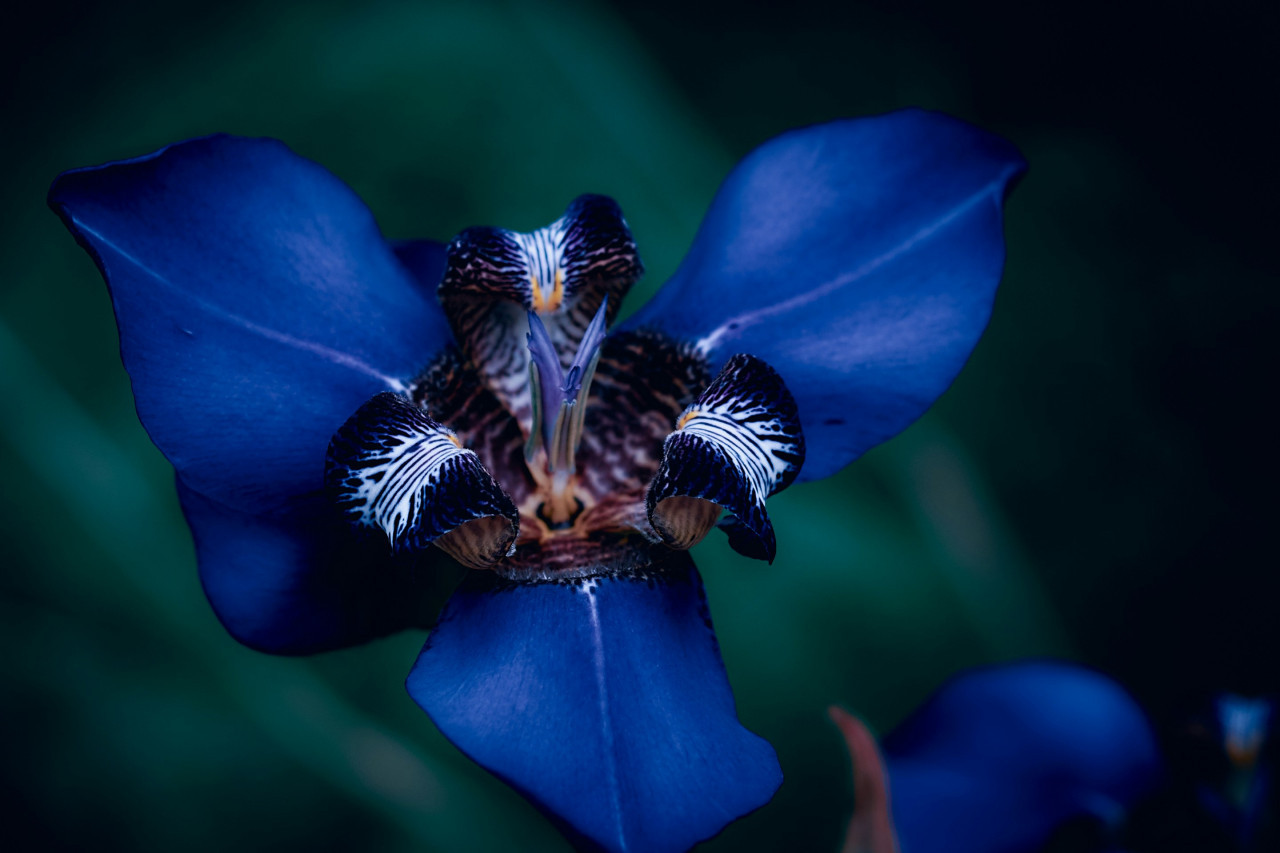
(456,441)
(557,292)
(552,301)
(685,418)
(538,303)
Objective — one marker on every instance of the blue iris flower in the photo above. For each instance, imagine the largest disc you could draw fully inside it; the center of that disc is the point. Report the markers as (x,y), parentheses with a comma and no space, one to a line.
(998,759)
(345,413)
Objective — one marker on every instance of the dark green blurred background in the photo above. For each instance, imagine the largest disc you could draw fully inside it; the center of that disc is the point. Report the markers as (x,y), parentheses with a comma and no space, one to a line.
(1099,483)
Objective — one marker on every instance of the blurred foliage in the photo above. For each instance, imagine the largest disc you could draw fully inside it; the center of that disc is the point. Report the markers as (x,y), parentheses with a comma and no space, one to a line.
(1099,482)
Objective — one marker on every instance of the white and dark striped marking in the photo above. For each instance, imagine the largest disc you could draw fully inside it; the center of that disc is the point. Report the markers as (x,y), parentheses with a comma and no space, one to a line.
(392,468)
(736,445)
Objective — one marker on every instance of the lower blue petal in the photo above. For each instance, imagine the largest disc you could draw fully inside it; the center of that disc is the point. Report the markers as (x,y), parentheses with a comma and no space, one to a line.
(302,580)
(998,758)
(860,260)
(603,701)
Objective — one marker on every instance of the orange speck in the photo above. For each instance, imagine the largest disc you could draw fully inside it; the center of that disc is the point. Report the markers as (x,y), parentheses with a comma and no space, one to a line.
(686,417)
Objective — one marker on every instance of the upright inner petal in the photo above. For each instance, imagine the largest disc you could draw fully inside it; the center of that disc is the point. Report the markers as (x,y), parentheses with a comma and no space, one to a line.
(563,273)
(544,251)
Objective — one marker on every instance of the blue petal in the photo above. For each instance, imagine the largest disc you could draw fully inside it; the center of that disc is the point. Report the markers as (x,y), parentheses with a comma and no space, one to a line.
(301,582)
(603,701)
(858,258)
(425,260)
(258,307)
(998,758)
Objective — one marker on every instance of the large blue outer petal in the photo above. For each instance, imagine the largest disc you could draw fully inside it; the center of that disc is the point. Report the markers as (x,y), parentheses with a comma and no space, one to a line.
(258,307)
(609,709)
(998,758)
(858,258)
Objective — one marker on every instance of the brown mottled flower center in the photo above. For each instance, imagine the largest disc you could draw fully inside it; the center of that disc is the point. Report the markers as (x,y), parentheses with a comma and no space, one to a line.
(595,522)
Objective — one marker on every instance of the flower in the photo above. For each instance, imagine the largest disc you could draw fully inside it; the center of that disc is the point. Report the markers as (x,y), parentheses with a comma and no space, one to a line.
(1219,792)
(343,414)
(1242,801)
(999,758)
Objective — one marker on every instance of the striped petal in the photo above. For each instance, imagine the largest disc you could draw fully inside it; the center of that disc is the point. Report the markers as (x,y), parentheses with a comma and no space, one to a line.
(562,272)
(641,385)
(739,443)
(392,468)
